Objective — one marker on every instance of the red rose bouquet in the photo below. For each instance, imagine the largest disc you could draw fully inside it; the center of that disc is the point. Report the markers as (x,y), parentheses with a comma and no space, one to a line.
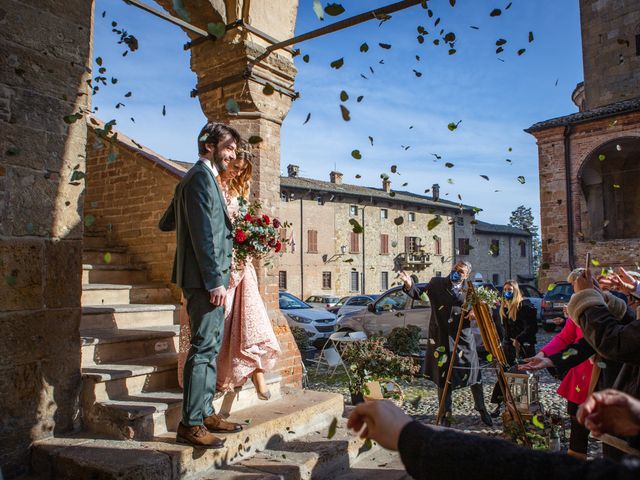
(255,235)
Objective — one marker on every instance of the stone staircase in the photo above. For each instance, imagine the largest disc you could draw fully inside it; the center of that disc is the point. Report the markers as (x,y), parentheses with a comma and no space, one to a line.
(131,401)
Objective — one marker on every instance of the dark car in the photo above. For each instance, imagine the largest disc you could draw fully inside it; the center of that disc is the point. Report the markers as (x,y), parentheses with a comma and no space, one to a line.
(557,296)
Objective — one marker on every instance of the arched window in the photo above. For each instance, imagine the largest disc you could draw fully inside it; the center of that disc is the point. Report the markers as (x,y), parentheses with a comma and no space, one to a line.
(610,180)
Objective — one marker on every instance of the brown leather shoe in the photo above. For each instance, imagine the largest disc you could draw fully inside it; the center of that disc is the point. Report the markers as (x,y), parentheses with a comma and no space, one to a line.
(198,436)
(216,423)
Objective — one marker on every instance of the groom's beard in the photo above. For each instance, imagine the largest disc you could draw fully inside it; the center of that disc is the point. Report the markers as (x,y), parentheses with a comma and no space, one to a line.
(218,162)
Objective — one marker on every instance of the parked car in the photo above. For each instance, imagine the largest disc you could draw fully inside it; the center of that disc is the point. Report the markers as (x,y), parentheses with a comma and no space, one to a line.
(352,304)
(319,324)
(394,308)
(555,299)
(322,301)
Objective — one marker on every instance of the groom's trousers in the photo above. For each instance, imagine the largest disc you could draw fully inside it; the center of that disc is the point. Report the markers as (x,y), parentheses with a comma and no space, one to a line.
(199,380)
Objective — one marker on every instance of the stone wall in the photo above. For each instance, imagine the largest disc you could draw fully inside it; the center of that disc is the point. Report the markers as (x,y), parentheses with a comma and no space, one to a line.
(128,190)
(507,264)
(611,63)
(585,140)
(46,48)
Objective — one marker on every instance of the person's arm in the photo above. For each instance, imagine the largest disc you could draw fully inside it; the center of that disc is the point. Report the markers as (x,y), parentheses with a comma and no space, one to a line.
(602,330)
(199,200)
(411,288)
(167,222)
(559,342)
(565,360)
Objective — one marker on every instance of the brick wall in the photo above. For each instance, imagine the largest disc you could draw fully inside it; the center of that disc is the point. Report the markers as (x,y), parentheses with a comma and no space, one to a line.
(585,140)
(45,47)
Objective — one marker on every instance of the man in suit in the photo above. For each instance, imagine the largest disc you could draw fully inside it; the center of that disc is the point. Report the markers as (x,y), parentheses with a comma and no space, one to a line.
(447,296)
(201,268)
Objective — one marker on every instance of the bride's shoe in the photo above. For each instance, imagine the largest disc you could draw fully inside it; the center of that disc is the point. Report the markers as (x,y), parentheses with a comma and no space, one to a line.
(262,395)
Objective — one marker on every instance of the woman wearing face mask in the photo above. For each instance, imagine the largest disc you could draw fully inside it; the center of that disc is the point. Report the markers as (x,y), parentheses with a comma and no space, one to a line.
(518,325)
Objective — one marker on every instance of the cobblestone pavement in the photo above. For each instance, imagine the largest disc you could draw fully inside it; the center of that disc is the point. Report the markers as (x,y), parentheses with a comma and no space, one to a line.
(421,400)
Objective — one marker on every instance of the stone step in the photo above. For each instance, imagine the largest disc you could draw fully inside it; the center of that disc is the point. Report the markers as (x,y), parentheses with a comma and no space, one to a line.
(106,346)
(109,381)
(81,457)
(132,316)
(311,456)
(145,415)
(105,256)
(123,274)
(94,241)
(118,294)
(381,465)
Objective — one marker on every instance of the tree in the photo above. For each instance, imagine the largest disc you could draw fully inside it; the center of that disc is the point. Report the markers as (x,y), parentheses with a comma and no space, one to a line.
(522,218)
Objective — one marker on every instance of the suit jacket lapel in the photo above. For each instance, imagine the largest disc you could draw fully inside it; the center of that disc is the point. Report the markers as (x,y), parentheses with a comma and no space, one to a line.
(217,188)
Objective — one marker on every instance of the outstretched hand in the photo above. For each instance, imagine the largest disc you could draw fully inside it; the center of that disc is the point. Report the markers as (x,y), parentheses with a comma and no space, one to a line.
(382,422)
(406,279)
(612,412)
(536,363)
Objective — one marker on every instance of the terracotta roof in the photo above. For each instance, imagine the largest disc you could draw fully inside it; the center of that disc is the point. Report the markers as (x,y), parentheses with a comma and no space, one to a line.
(617,108)
(484,227)
(301,183)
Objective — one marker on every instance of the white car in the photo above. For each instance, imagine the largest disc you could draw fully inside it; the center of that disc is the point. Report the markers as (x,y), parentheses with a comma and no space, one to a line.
(322,301)
(352,304)
(319,324)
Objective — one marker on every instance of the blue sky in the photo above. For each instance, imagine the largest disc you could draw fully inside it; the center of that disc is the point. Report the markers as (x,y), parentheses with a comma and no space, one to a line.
(494,100)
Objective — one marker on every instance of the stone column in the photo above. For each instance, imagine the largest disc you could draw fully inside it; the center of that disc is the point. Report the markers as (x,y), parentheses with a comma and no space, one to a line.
(227,71)
(46,50)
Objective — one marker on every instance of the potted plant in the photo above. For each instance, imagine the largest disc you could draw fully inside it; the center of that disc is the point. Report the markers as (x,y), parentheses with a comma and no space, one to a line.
(369,360)
(404,340)
(307,351)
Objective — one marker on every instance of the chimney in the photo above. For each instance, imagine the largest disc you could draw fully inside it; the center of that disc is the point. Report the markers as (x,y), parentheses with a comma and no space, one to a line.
(435,191)
(292,170)
(386,184)
(335,177)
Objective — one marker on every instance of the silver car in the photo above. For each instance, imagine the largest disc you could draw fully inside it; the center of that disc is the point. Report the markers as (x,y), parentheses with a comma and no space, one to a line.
(394,308)
(318,323)
(352,304)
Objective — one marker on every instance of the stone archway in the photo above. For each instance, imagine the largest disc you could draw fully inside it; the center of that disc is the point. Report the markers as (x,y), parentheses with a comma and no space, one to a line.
(610,182)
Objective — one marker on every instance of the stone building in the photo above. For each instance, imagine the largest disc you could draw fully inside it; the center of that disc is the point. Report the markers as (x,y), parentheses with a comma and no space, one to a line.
(329,257)
(589,160)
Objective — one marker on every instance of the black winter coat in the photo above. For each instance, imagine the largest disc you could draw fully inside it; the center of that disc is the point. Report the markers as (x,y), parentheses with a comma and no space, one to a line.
(446,306)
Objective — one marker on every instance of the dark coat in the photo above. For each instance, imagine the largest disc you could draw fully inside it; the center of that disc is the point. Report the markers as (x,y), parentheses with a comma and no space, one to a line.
(446,306)
(429,453)
(523,329)
(203,231)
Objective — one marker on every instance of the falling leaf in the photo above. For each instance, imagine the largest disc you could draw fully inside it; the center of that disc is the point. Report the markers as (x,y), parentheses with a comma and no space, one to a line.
(417,73)
(434,222)
(357,228)
(337,63)
(346,116)
(569,353)
(508,6)
(232,106)
(344,96)
(69,119)
(489,358)
(305,58)
(358,175)
(360,98)
(217,29)
(386,46)
(248,421)
(112,157)
(99,61)
(89,220)
(530,37)
(618,148)
(521,179)
(164,110)
(601,365)
(107,258)
(268,89)
(442,360)
(452,3)
(371,140)
(334,9)
(255,139)
(615,185)
(485,177)
(364,48)
(317,9)
(595,262)
(366,446)
(449,165)
(521,51)
(495,12)
(394,169)
(356,154)
(500,41)
(453,126)
(405,184)
(601,157)
(450,181)
(537,423)
(307,119)
(474,27)
(332,428)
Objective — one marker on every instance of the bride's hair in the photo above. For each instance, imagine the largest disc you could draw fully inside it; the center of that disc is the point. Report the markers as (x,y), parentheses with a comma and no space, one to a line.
(240,185)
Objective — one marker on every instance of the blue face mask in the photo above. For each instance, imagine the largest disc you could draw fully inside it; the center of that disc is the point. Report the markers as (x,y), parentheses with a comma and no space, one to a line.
(508,295)
(455,276)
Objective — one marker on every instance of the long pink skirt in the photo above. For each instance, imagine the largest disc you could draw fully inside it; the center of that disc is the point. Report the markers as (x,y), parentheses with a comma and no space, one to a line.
(249,342)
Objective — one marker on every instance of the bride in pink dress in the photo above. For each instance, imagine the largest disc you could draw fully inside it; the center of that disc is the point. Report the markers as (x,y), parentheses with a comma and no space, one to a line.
(249,346)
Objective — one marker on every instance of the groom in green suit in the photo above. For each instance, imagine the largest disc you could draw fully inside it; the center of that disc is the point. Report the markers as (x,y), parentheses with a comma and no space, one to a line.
(201,268)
